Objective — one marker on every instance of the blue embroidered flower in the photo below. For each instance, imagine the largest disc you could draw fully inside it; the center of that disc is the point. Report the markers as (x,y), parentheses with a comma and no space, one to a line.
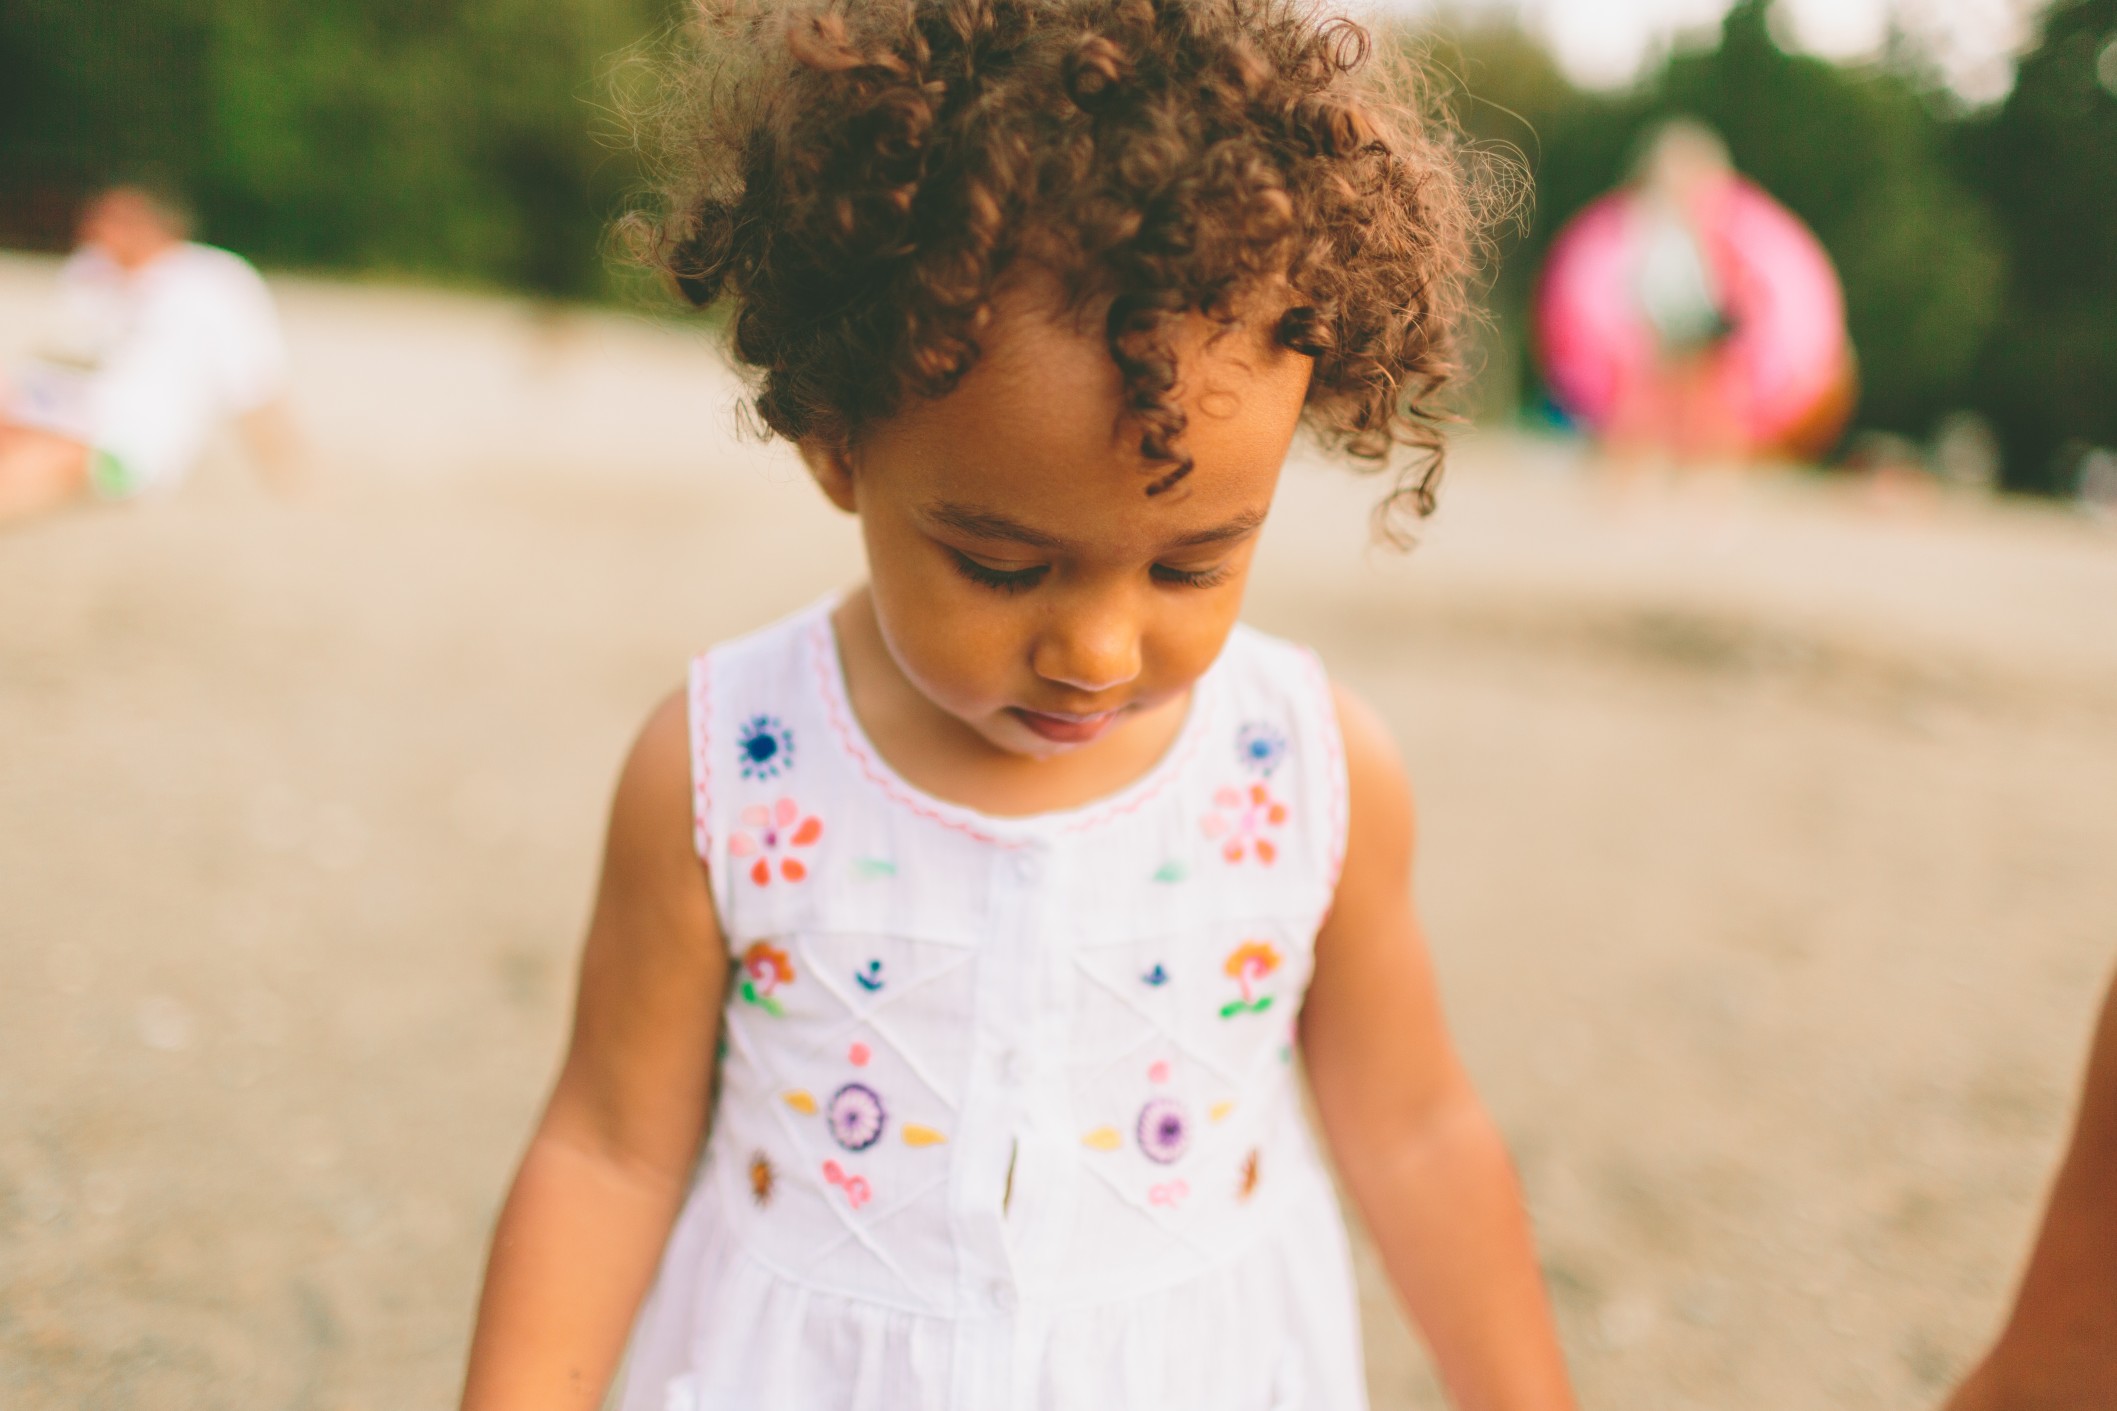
(766,747)
(1260,748)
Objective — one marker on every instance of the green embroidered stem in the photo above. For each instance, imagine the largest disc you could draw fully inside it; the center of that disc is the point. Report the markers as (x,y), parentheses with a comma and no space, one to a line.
(1169,872)
(765,1002)
(1245,1006)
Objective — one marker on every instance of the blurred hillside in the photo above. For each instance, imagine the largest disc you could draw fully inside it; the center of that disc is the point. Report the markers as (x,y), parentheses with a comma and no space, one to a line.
(473,140)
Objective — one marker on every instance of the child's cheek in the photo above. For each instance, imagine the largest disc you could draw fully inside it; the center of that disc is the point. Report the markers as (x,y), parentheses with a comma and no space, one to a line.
(956,642)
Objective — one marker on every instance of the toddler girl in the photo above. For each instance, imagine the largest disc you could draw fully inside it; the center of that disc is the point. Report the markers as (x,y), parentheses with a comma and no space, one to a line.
(970,924)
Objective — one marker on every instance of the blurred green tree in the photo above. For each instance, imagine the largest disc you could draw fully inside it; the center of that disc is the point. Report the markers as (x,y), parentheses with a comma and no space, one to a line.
(2046,162)
(387,135)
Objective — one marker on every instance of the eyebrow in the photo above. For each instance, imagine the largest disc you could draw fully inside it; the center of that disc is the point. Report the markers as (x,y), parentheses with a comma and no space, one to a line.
(990,524)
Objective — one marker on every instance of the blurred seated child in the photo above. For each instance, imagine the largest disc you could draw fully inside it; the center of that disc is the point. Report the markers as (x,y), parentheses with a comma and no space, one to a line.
(152,343)
(2058,1351)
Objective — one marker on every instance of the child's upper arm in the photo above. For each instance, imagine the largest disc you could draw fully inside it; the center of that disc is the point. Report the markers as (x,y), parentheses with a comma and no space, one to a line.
(638,1075)
(1372,1033)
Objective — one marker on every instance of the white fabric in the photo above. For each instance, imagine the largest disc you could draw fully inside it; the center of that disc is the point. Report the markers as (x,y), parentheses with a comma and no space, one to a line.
(144,365)
(1004,1124)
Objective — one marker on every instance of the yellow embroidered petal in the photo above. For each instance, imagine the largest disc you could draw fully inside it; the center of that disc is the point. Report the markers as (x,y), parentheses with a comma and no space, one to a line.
(916,1135)
(801,1102)
(1219,1110)
(1103,1139)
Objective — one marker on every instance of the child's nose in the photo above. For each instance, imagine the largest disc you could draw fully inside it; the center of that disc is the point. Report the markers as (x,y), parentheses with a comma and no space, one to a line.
(1090,647)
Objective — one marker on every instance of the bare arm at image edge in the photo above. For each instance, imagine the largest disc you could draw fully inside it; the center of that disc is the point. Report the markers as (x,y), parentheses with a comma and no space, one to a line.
(2058,1351)
(583,1227)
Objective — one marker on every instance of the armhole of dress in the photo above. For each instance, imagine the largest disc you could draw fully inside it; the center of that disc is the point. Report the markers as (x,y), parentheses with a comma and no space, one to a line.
(1339,790)
(699,716)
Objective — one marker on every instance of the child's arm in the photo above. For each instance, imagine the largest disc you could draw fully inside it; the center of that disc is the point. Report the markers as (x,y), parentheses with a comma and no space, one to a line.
(1413,1143)
(604,1177)
(2058,1351)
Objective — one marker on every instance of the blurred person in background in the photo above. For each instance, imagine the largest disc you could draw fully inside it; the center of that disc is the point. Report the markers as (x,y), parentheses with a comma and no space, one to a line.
(1683,297)
(1688,318)
(2058,1350)
(152,344)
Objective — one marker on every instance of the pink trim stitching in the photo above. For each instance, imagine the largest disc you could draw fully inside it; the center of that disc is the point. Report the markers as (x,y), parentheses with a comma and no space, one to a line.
(1340,788)
(821,643)
(702,759)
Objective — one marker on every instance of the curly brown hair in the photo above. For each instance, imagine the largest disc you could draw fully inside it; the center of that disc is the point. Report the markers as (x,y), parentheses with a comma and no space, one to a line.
(856,179)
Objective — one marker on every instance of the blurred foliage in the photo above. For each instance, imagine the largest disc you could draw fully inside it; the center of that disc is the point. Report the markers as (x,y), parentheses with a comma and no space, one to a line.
(1978,251)
(2047,164)
(472,140)
(456,140)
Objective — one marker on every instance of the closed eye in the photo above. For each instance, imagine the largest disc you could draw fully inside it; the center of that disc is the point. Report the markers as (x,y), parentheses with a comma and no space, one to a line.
(1002,580)
(1191,577)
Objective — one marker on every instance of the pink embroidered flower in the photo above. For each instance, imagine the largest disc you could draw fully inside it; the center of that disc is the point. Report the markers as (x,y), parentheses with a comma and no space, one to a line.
(765,968)
(768,833)
(1247,964)
(1244,817)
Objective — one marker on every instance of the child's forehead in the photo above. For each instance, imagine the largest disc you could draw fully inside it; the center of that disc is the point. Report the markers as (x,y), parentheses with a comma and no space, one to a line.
(1037,434)
(1190,517)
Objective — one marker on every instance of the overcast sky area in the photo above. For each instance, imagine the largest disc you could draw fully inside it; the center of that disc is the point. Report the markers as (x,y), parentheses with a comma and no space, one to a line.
(1608,43)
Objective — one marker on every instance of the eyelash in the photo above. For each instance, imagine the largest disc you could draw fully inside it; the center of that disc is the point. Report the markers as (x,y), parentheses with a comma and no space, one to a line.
(1018,580)
(1021,580)
(1192,578)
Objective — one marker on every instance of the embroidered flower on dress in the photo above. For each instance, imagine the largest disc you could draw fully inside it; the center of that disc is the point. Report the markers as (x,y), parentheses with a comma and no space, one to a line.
(762,1178)
(767,833)
(1247,964)
(857,1192)
(764,969)
(1164,1130)
(856,1117)
(1243,817)
(1260,748)
(766,748)
(1248,1187)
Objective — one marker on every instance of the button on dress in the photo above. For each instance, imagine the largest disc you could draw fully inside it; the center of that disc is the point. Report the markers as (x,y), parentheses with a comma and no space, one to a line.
(1007,1118)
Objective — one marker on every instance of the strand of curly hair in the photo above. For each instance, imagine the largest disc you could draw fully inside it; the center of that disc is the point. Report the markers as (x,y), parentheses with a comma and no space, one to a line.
(853,181)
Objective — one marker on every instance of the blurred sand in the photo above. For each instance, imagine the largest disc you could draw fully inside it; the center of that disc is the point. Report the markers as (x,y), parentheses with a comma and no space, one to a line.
(1769,855)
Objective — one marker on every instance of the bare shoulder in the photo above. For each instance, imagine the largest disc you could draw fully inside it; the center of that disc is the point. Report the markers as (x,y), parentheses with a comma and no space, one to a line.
(650,864)
(1382,821)
(656,779)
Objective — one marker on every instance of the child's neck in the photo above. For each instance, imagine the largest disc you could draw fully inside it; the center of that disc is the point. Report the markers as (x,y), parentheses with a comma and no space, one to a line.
(941,755)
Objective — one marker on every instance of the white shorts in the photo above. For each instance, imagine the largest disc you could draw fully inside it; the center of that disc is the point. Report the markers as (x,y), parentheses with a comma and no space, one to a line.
(145,421)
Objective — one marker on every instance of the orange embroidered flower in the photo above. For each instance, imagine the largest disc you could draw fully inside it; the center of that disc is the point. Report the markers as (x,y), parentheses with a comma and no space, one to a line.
(1244,818)
(1247,964)
(765,968)
(768,834)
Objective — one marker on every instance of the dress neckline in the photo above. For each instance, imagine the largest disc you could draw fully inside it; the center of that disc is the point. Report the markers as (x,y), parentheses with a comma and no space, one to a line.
(1004,830)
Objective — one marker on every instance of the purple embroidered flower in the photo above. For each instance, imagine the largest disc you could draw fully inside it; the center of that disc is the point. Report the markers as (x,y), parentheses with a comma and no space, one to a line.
(766,748)
(856,1117)
(1260,748)
(1164,1130)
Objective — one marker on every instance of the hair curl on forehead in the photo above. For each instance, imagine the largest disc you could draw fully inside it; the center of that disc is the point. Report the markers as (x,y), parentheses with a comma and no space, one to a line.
(854,180)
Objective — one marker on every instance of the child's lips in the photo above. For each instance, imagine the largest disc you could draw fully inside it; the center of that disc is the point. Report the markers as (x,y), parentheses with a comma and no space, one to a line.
(1066,729)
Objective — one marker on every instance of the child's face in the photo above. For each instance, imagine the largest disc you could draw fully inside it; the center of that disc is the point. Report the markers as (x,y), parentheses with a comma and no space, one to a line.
(1024,582)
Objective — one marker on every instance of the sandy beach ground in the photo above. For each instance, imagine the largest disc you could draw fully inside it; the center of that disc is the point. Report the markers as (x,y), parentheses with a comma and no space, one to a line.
(1769,853)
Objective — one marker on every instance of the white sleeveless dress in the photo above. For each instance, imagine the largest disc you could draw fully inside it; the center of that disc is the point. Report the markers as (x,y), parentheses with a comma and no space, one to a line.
(1007,1118)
